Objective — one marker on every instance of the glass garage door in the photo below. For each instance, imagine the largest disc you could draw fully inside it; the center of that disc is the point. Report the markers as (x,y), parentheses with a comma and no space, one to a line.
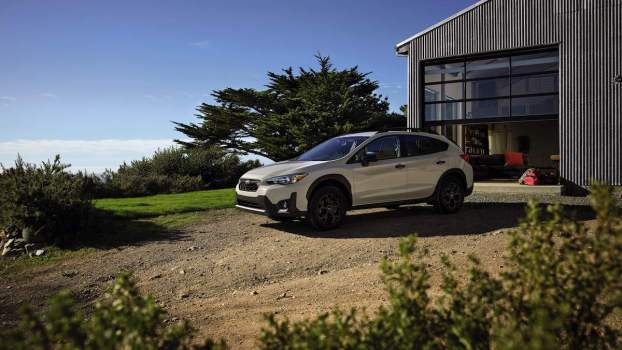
(518,86)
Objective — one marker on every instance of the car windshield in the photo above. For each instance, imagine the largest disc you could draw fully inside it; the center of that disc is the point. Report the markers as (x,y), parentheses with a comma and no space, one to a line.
(332,149)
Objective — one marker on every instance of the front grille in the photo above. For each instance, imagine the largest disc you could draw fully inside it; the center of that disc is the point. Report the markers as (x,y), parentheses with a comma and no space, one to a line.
(248,185)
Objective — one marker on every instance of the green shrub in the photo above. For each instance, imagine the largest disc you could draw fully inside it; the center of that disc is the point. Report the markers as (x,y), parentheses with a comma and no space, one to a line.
(173,170)
(122,185)
(49,201)
(123,320)
(560,291)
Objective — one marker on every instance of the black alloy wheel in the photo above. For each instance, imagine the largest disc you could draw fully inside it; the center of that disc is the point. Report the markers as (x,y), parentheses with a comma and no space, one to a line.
(450,196)
(327,208)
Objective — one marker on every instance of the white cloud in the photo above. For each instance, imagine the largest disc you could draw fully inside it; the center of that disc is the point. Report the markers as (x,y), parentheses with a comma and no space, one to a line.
(48,95)
(6,100)
(90,155)
(202,44)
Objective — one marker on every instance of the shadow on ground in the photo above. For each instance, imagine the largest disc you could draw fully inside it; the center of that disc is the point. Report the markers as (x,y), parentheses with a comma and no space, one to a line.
(472,219)
(102,231)
(105,230)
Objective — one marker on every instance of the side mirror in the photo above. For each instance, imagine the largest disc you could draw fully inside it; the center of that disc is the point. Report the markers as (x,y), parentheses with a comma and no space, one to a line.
(368,157)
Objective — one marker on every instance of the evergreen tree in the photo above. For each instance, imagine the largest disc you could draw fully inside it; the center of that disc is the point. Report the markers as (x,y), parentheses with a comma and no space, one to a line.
(294,113)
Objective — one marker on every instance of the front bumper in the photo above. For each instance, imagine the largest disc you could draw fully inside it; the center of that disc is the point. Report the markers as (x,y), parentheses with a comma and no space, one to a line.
(262,205)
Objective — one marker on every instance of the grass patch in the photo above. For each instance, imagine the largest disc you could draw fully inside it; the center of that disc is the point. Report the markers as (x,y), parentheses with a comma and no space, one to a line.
(120,221)
(105,231)
(166,204)
(176,221)
(10,265)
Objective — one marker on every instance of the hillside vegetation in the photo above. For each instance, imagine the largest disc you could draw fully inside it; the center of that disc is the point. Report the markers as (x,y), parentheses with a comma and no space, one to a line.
(173,170)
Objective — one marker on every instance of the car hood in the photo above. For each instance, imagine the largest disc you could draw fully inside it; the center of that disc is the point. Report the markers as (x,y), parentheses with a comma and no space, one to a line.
(287,167)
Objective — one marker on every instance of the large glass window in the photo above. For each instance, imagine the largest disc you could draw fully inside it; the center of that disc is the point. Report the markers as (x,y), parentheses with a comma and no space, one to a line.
(444,72)
(535,84)
(497,108)
(444,92)
(443,111)
(486,68)
(499,87)
(505,86)
(534,105)
(535,63)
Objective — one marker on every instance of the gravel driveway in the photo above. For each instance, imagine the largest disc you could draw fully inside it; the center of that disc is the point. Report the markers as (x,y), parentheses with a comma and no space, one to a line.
(225,271)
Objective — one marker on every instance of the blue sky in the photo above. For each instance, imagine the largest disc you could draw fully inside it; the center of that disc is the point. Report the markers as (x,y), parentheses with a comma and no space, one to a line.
(100,81)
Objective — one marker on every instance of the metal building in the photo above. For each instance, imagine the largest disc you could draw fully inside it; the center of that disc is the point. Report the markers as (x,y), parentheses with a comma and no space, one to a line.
(543,77)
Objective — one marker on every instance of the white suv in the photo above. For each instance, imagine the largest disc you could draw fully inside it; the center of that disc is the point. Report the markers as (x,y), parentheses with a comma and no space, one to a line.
(373,169)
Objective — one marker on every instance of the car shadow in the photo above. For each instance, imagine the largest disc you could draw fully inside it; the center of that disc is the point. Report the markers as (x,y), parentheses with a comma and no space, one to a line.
(472,219)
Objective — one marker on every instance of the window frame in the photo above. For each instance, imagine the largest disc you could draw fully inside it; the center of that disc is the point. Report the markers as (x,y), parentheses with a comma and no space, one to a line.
(464,119)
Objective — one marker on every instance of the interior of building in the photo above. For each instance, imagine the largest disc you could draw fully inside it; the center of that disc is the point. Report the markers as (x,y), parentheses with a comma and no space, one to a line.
(530,144)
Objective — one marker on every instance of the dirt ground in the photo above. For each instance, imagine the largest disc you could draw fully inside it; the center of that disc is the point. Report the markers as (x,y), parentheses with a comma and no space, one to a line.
(227,270)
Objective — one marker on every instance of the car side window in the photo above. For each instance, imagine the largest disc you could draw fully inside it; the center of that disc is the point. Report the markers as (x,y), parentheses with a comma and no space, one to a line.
(417,145)
(385,148)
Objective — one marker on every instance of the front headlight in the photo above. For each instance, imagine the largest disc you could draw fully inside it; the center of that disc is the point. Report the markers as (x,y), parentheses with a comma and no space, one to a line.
(286,179)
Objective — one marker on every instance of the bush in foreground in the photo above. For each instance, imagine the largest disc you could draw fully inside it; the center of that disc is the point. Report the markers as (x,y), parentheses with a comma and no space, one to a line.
(561,291)
(122,320)
(47,201)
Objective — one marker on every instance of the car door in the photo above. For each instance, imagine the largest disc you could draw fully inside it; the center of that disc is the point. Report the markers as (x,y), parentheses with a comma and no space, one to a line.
(424,162)
(383,180)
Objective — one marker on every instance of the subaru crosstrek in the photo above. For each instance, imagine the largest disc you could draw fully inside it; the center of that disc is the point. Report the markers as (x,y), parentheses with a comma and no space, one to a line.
(373,169)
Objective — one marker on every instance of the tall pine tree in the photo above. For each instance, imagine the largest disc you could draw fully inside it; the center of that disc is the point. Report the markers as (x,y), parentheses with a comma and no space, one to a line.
(294,113)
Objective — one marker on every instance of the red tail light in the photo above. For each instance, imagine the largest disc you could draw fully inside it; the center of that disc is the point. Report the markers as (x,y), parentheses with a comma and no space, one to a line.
(465,157)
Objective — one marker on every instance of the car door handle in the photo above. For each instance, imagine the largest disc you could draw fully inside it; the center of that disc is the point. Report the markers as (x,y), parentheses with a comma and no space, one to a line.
(440,162)
(400,166)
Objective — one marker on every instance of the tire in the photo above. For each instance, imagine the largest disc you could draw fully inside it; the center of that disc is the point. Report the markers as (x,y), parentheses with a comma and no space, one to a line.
(327,208)
(449,195)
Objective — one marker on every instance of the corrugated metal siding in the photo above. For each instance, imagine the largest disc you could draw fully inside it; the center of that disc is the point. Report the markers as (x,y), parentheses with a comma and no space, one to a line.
(589,35)
(590,100)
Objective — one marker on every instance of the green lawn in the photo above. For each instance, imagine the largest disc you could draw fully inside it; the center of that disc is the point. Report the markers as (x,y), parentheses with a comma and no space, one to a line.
(166,204)
(126,220)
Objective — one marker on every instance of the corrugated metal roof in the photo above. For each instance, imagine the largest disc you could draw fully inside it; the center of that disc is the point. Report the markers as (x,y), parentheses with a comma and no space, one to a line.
(404,42)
